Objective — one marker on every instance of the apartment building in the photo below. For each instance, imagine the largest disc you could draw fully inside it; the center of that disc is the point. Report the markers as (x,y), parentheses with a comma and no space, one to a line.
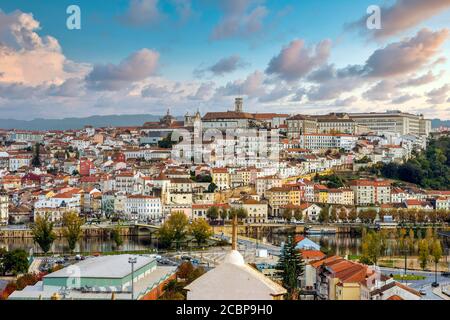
(342,196)
(143,208)
(221,178)
(367,192)
(322,141)
(393,121)
(265,183)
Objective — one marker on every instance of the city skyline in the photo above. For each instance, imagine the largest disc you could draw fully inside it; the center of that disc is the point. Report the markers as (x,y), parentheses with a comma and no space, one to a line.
(146,56)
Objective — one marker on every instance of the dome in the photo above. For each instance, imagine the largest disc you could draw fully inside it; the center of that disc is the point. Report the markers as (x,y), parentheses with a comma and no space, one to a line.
(234,257)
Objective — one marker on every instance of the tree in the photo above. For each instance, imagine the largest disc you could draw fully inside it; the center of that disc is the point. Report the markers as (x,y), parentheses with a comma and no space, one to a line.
(436,252)
(342,214)
(223,215)
(372,247)
(212,213)
(424,253)
(290,267)
(352,215)
(43,233)
(287,215)
(72,229)
(36,161)
(241,213)
(13,262)
(200,230)
(333,214)
(116,236)
(174,229)
(324,214)
(184,270)
(212,187)
(298,214)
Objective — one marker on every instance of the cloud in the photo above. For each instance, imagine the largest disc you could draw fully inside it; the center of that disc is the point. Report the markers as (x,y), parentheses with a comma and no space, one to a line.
(183,9)
(296,60)
(204,92)
(73,87)
(383,90)
(401,16)
(251,86)
(223,66)
(404,98)
(346,102)
(277,93)
(241,18)
(438,96)
(27,58)
(138,66)
(142,13)
(419,81)
(407,55)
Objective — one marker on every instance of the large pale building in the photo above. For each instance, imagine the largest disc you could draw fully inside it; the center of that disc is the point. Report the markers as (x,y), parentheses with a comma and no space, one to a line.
(393,121)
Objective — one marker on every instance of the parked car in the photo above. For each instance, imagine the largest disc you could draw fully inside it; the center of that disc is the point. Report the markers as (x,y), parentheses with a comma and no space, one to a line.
(445,274)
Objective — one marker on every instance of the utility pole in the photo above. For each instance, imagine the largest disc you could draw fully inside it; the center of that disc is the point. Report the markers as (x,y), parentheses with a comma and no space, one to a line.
(132,261)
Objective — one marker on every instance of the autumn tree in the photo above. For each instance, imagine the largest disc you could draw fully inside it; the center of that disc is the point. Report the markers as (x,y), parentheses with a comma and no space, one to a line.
(436,253)
(342,214)
(174,229)
(43,233)
(200,230)
(424,253)
(72,229)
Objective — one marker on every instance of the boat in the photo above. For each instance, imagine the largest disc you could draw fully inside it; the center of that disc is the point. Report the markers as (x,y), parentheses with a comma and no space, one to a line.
(321,231)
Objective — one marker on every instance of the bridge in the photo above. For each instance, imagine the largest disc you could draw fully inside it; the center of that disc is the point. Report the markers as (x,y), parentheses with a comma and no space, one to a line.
(144,228)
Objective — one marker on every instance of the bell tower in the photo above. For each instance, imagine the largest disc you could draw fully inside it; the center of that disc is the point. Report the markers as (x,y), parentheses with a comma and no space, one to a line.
(238,102)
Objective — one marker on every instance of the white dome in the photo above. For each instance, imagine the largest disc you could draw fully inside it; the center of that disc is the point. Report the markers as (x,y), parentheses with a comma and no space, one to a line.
(234,257)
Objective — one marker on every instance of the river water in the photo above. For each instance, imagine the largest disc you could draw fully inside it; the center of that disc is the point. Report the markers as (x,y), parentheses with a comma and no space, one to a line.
(340,244)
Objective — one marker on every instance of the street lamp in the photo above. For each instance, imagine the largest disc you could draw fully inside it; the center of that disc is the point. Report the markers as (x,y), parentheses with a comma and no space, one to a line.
(132,261)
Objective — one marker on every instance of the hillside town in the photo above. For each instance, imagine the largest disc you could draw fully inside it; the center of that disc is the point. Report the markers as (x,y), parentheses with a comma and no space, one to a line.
(312,172)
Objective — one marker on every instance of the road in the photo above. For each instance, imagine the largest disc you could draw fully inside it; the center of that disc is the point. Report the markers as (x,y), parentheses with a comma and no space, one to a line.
(424,284)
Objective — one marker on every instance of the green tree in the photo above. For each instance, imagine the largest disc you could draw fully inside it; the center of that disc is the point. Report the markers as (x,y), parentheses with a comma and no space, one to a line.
(13,262)
(36,161)
(290,267)
(424,253)
(241,213)
(200,230)
(116,236)
(212,187)
(175,228)
(212,213)
(72,229)
(324,214)
(298,214)
(43,233)
(224,215)
(287,215)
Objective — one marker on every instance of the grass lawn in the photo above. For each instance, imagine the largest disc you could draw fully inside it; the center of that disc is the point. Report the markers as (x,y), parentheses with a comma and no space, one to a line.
(408,277)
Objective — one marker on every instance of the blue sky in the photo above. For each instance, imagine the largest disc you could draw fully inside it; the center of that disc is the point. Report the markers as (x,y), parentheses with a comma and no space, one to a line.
(179,42)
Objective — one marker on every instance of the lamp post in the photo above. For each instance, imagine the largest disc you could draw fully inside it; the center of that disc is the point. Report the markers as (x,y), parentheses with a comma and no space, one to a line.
(132,261)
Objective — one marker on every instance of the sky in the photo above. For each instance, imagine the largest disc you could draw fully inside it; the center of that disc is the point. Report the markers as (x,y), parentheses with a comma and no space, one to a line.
(147,56)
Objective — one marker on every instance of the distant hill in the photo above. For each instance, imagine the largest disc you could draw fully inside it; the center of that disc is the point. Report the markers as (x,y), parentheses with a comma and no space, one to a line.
(78,123)
(436,123)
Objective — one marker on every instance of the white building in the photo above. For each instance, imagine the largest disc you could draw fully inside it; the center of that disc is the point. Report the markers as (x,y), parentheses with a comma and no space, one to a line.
(143,208)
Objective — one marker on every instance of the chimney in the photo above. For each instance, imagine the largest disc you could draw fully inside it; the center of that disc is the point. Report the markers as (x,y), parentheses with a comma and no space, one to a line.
(234,234)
